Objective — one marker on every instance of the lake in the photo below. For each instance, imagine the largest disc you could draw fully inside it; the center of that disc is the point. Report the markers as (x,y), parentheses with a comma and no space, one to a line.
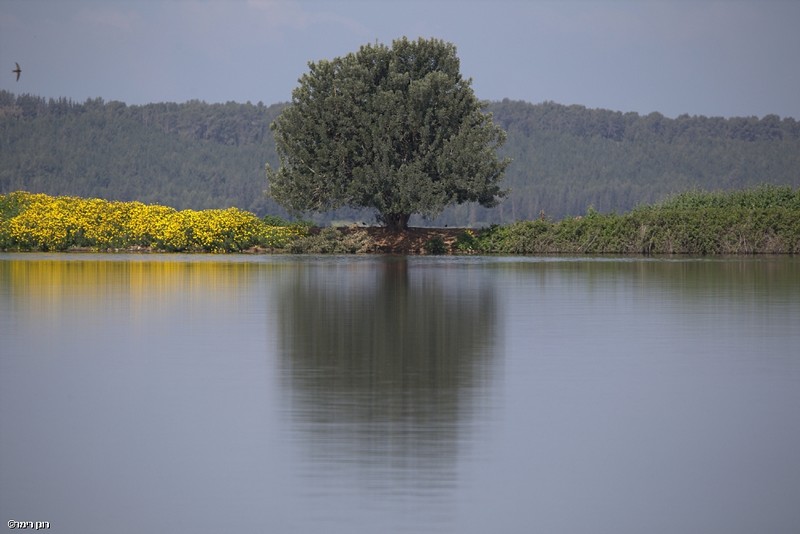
(205,394)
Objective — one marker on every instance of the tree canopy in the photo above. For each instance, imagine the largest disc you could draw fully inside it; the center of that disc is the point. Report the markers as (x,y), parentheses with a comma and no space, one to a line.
(397,130)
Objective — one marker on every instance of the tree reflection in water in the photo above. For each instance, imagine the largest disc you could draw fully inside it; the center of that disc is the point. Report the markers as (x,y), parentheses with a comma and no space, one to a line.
(386,361)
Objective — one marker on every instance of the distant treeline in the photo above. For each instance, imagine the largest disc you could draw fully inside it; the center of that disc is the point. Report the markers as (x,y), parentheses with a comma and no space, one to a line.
(190,156)
(566,159)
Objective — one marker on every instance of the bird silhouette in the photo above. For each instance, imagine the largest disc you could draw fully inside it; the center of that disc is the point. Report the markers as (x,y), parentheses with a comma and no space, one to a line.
(17,70)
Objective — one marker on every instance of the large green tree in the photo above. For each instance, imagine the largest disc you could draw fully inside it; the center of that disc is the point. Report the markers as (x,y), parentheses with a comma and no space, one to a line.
(394,129)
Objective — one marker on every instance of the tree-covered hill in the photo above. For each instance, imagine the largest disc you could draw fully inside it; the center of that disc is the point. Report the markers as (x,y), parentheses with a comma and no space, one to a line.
(565,158)
(191,155)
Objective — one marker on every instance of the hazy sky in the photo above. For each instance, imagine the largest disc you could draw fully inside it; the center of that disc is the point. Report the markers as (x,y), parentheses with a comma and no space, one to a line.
(728,58)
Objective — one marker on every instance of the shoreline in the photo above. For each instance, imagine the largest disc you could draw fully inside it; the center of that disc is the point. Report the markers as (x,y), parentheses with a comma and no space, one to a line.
(765,220)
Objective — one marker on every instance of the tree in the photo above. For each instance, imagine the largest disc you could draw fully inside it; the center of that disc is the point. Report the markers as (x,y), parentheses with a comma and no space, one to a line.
(394,129)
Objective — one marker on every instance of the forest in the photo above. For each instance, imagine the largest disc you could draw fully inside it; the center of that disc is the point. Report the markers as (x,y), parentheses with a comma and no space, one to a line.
(565,159)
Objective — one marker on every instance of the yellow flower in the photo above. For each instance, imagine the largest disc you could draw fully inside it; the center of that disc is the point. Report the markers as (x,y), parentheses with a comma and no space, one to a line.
(58,223)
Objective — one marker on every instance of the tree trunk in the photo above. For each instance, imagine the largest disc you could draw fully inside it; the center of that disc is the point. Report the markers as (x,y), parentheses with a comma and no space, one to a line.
(396,222)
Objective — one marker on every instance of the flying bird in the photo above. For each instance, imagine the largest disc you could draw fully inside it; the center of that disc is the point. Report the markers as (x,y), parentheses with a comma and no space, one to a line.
(17,70)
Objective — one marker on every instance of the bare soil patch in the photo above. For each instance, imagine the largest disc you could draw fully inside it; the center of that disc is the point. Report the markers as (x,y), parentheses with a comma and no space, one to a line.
(410,241)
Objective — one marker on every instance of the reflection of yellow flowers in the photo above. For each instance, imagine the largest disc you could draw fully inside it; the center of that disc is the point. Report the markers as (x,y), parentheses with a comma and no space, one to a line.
(41,222)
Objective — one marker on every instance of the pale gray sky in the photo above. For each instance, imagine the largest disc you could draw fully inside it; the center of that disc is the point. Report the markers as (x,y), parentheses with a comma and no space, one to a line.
(702,57)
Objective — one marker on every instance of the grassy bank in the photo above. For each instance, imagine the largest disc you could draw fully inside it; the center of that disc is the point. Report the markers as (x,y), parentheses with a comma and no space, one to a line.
(765,220)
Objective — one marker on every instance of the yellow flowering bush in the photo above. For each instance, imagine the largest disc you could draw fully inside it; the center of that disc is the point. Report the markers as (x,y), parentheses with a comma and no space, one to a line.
(147,223)
(44,222)
(41,222)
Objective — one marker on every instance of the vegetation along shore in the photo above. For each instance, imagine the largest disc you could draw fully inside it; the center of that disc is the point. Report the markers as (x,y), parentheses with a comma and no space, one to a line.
(762,220)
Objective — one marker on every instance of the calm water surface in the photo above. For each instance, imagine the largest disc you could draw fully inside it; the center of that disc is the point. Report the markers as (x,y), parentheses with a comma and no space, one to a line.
(381,394)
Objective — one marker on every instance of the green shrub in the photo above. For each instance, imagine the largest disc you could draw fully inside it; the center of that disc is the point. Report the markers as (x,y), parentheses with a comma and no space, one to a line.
(467,243)
(435,245)
(274,220)
(762,220)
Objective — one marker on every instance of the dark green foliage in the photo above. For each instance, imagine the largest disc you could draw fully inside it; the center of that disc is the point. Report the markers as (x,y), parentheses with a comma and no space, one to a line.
(435,246)
(761,220)
(761,198)
(274,220)
(466,243)
(197,155)
(395,130)
(568,157)
(191,155)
